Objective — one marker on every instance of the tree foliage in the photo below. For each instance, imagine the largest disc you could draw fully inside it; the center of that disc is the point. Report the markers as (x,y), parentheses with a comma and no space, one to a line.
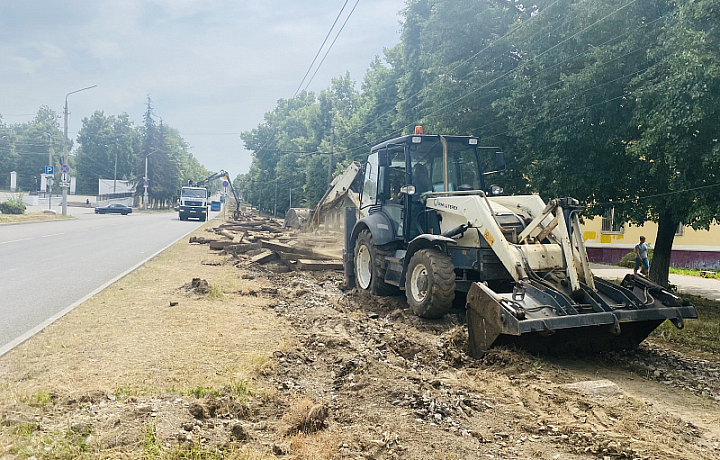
(614,102)
(104,142)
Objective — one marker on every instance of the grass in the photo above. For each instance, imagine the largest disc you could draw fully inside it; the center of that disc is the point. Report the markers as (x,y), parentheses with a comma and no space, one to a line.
(694,272)
(41,399)
(30,217)
(699,335)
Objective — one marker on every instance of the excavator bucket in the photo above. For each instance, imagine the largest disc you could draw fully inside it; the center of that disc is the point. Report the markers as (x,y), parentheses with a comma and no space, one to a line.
(544,317)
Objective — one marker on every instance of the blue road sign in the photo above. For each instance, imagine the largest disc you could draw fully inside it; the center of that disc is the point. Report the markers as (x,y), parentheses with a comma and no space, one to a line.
(49,170)
(225,183)
(64,169)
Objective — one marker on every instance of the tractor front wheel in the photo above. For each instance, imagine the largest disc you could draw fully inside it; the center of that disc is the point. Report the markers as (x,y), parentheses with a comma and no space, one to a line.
(430,283)
(370,265)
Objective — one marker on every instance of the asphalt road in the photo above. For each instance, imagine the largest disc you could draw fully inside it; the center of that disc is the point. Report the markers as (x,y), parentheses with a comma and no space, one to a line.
(47,267)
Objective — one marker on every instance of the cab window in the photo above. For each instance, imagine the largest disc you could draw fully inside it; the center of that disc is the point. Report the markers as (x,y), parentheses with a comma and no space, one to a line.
(370,183)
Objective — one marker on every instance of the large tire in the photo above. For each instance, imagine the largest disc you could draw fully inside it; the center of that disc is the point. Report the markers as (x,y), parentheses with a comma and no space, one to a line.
(430,283)
(370,265)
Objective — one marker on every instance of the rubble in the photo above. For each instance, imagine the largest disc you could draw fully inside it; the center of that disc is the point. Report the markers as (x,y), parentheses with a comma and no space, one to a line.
(260,241)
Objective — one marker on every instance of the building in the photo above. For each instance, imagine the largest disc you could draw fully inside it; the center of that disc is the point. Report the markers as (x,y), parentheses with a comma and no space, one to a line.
(608,241)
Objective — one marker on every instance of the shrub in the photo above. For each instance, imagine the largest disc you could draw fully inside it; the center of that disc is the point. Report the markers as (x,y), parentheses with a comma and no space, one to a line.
(629,259)
(13,206)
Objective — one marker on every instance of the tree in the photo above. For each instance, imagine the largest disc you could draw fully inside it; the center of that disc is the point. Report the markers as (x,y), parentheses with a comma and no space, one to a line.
(104,143)
(33,143)
(677,149)
(8,155)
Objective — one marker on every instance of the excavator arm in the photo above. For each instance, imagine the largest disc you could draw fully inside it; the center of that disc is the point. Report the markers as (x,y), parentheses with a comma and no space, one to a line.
(222,174)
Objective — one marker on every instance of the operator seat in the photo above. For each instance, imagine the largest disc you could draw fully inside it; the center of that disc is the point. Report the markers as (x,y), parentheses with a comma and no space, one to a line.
(421,179)
(426,220)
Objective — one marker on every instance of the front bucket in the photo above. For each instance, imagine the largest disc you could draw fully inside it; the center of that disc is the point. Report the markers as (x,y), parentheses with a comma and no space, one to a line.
(529,322)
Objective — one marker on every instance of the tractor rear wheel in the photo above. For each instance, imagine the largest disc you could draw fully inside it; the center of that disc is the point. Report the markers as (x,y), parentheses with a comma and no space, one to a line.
(430,283)
(370,265)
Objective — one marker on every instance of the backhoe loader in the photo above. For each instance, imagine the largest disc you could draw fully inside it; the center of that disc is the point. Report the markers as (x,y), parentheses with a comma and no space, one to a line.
(427,224)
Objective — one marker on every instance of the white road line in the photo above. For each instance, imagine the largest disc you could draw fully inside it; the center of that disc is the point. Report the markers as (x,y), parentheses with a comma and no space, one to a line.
(54,234)
(15,241)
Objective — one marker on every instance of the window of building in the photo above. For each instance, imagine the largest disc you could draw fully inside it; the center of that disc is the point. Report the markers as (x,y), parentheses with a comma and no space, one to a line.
(612,224)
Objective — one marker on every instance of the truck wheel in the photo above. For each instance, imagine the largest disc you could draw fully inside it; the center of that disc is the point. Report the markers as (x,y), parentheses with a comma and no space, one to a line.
(182,217)
(370,265)
(430,283)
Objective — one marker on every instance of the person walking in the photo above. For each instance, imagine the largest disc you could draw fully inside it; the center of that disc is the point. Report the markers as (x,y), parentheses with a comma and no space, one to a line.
(641,257)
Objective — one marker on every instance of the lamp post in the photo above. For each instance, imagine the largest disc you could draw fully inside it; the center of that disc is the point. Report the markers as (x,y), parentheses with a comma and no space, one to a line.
(65,144)
(145,182)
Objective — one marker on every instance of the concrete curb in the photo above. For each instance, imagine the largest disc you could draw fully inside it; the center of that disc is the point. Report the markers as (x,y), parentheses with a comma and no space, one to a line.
(40,327)
(38,221)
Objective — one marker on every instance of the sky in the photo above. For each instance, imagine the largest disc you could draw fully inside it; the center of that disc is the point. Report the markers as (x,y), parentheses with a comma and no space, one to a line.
(213,68)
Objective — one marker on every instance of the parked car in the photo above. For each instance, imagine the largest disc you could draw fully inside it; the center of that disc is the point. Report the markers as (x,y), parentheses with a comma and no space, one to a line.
(114,208)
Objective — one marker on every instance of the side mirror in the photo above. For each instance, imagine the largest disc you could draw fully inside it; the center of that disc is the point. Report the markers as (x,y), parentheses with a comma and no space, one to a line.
(500,161)
(383,157)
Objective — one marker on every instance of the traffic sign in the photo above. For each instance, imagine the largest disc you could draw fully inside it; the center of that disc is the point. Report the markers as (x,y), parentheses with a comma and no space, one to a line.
(49,170)
(225,183)
(64,169)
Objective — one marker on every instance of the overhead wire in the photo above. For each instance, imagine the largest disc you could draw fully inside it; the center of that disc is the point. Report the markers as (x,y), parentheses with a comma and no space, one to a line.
(321,47)
(399,130)
(402,128)
(465,61)
(331,44)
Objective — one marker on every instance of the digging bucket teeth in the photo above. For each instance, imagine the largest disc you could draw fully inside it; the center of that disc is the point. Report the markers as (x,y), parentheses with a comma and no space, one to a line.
(539,317)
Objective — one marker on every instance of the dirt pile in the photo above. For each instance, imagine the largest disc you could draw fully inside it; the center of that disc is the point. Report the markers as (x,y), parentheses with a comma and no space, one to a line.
(378,366)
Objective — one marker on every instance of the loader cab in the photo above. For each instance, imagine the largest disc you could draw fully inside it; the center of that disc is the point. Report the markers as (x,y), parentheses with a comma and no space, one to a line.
(399,172)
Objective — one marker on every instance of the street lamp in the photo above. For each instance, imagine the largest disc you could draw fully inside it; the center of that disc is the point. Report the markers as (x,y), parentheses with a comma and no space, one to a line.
(145,181)
(65,151)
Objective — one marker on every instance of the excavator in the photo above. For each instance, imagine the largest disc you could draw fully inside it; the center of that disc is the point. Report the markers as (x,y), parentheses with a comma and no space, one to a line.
(429,225)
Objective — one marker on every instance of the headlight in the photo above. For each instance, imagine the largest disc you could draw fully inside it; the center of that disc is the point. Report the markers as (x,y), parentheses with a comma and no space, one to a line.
(496,190)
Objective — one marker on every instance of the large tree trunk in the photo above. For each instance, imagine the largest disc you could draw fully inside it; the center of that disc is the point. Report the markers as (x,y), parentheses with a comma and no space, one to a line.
(660,266)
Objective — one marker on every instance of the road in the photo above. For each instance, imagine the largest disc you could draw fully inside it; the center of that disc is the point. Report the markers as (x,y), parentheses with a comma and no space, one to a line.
(47,267)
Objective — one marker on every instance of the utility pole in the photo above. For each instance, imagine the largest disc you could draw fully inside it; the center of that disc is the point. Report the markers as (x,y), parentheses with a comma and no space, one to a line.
(290,198)
(145,183)
(65,145)
(49,179)
(332,142)
(275,204)
(115,177)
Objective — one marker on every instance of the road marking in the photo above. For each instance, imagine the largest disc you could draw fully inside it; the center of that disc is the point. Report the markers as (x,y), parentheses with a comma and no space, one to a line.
(54,234)
(15,241)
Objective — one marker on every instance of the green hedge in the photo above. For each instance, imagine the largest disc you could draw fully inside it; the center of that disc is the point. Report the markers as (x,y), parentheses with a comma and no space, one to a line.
(13,206)
(629,259)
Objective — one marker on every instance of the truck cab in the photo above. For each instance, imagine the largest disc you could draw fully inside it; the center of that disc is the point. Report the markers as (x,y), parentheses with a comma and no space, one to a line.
(193,203)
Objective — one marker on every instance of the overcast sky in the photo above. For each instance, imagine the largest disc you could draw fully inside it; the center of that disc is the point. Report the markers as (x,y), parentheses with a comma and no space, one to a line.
(211,67)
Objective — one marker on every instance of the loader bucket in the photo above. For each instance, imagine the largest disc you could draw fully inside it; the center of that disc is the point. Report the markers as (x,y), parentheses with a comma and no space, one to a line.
(543,318)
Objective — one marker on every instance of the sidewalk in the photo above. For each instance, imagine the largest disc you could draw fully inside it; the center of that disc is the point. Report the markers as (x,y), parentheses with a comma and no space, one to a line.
(703,287)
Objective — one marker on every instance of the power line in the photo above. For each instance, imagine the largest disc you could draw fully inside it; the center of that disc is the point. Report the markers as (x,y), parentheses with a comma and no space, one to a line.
(658,195)
(399,130)
(321,47)
(508,34)
(331,44)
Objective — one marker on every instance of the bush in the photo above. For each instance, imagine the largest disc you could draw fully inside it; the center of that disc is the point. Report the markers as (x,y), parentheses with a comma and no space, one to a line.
(13,206)
(629,259)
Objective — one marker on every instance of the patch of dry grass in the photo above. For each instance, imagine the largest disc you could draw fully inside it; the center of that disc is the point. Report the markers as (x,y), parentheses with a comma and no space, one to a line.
(30,217)
(128,338)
